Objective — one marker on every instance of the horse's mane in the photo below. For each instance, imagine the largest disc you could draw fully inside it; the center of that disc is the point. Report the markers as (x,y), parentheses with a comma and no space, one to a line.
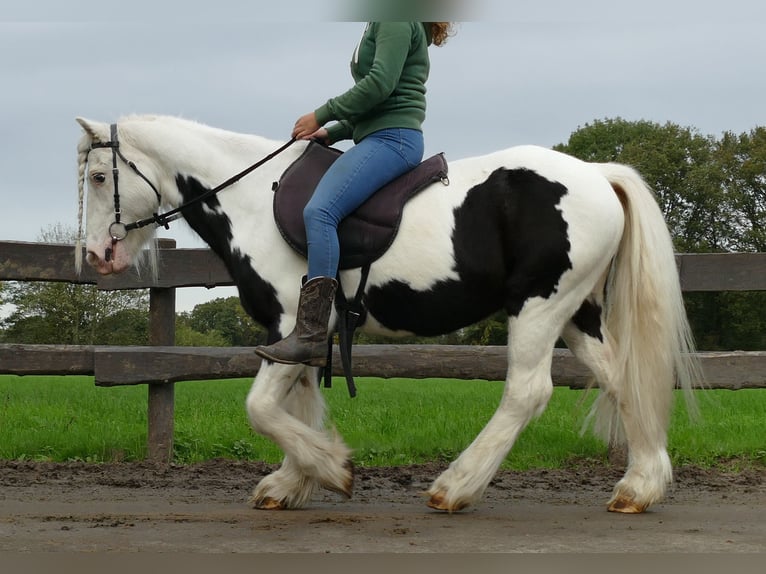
(186,125)
(83,147)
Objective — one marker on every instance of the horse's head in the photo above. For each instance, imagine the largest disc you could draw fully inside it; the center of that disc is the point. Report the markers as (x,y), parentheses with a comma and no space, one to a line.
(120,192)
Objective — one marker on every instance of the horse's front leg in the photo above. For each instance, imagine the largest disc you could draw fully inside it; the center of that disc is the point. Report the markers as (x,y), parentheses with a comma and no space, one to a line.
(286,405)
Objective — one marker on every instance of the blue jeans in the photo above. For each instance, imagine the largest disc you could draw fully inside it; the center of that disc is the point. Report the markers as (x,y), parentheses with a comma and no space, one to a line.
(378,159)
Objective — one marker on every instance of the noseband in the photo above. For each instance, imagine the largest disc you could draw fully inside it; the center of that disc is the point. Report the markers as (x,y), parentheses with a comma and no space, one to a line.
(119,230)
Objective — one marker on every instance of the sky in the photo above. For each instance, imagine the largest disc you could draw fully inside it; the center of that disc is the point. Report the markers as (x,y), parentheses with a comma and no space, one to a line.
(515,73)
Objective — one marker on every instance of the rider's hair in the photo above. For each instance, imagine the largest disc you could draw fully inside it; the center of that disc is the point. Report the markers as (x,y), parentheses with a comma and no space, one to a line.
(441,31)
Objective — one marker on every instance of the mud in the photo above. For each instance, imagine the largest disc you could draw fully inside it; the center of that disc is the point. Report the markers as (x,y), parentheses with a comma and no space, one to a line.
(131,507)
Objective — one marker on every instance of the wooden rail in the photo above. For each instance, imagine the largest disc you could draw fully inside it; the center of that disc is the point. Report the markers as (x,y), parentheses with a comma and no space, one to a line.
(164,365)
(161,364)
(22,261)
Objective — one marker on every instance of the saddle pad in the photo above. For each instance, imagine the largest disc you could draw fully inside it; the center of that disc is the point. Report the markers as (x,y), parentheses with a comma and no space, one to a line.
(367,233)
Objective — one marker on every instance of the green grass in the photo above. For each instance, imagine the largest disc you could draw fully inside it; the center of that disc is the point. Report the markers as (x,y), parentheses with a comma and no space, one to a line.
(391,422)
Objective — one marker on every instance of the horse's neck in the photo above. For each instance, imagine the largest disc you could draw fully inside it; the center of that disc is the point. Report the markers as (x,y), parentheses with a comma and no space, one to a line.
(207,154)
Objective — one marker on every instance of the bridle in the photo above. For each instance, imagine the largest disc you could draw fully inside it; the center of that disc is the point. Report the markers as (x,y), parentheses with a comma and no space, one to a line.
(119,230)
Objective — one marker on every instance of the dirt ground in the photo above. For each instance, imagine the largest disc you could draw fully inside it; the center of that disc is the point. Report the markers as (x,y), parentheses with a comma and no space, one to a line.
(203,508)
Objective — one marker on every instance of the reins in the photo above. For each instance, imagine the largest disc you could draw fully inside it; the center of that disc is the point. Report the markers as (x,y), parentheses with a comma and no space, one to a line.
(119,230)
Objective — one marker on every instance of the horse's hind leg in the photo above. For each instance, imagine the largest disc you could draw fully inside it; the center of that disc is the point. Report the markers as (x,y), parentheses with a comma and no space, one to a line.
(649,469)
(528,388)
(288,408)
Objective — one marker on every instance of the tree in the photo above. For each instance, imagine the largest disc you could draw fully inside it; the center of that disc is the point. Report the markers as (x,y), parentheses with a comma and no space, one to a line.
(65,313)
(490,331)
(712,193)
(129,326)
(2,303)
(742,163)
(222,320)
(187,336)
(675,162)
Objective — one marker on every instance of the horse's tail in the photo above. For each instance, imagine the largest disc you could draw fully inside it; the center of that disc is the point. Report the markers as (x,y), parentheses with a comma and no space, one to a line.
(645,316)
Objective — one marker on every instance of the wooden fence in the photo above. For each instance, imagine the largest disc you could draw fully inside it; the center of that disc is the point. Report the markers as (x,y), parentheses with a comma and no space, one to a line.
(161,364)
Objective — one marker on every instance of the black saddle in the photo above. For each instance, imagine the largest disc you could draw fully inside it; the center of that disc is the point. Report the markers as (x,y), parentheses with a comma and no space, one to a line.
(367,233)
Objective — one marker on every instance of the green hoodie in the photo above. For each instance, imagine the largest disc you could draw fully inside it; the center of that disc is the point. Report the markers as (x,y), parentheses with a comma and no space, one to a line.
(390,68)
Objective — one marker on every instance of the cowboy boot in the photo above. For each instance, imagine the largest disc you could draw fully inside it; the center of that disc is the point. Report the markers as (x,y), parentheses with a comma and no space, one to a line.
(307,343)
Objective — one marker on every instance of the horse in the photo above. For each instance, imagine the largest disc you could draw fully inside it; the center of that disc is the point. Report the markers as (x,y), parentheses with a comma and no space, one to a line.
(570,250)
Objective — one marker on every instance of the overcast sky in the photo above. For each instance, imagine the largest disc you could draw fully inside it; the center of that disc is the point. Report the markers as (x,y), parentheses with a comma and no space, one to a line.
(516,73)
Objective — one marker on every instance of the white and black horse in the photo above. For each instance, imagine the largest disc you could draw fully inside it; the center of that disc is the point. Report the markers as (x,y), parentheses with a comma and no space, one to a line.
(569,249)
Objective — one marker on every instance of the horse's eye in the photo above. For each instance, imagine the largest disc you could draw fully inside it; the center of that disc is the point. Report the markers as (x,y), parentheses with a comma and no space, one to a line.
(98,177)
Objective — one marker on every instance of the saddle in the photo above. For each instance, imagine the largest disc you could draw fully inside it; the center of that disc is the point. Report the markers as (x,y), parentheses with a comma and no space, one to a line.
(364,236)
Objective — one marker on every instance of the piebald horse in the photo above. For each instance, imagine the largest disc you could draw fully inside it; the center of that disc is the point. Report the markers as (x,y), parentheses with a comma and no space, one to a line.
(569,249)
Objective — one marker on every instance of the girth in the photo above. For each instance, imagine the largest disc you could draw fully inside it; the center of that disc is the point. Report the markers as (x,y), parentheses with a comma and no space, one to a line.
(364,236)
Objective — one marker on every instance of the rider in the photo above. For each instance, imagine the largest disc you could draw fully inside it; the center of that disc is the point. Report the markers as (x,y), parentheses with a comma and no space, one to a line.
(383,113)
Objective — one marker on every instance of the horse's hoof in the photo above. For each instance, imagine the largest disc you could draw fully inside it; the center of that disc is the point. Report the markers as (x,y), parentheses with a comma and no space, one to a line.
(347,488)
(626,506)
(439,502)
(268,503)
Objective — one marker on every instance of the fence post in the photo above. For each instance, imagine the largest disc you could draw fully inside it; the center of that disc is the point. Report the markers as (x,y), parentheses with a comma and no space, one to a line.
(162,318)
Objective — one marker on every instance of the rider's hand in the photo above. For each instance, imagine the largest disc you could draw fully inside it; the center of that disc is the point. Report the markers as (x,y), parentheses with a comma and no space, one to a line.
(307,127)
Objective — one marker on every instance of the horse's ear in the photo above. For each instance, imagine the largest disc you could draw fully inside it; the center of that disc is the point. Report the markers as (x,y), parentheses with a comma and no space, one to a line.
(97,131)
